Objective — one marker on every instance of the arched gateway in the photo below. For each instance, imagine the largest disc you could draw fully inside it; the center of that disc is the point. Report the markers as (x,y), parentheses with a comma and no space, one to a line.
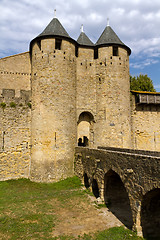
(85,129)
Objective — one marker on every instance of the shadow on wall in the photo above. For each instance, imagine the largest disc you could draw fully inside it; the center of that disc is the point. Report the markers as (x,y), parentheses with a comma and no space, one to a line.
(150,215)
(116,198)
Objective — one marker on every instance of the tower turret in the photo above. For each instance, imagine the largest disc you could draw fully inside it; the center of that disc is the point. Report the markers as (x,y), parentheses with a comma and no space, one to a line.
(113,91)
(53,103)
(84,40)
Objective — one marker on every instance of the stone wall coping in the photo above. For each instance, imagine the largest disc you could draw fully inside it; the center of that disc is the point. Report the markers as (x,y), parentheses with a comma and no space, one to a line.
(122,152)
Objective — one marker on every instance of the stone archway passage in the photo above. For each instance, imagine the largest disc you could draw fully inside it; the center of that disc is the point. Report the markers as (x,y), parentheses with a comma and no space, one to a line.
(95,188)
(116,198)
(150,215)
(85,129)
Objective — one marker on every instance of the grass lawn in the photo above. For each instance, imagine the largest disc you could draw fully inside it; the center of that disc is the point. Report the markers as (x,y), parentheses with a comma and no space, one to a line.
(31,210)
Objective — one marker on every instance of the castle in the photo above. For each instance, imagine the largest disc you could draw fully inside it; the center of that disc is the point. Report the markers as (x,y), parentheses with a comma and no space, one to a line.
(64,93)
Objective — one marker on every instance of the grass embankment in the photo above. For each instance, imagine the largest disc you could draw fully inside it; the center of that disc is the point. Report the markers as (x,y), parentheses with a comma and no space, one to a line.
(33,210)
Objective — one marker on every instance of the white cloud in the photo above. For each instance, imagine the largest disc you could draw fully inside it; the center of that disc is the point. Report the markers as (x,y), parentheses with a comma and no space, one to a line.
(136,22)
(141,64)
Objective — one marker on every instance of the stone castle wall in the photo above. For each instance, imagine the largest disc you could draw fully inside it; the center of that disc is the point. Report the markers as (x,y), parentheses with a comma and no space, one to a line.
(103,91)
(73,95)
(15,134)
(15,72)
(145,123)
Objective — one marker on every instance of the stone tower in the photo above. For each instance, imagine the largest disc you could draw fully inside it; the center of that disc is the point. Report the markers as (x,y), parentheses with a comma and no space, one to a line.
(113,91)
(53,82)
(80,95)
(103,91)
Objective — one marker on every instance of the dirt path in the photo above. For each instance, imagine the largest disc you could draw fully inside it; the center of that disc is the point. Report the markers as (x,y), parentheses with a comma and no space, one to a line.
(83,218)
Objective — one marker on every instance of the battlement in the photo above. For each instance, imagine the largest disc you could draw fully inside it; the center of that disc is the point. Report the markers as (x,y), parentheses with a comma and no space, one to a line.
(18,97)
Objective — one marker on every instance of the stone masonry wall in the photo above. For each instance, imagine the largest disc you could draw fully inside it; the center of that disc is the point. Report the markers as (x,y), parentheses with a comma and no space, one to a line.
(15,72)
(53,110)
(145,126)
(15,119)
(113,96)
(86,92)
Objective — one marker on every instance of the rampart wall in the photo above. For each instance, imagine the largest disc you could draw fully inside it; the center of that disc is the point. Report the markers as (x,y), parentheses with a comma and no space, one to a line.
(15,72)
(145,126)
(15,134)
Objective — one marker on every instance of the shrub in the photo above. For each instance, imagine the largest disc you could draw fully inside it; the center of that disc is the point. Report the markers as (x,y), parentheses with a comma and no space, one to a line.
(13,104)
(3,105)
(29,104)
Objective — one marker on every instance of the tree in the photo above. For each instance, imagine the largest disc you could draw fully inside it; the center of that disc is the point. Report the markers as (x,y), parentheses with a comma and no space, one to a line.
(141,83)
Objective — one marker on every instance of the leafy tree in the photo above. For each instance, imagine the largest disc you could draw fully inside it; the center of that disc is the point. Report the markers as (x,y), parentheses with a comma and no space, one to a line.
(141,83)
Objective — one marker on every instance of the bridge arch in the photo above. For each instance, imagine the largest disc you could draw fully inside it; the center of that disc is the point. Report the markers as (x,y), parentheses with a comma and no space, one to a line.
(116,198)
(150,214)
(86,180)
(85,131)
(95,188)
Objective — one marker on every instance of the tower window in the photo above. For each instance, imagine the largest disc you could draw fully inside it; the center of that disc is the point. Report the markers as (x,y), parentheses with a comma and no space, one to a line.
(96,53)
(76,51)
(115,51)
(58,44)
(39,44)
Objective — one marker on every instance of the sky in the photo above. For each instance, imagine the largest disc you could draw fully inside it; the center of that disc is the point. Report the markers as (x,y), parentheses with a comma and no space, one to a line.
(136,22)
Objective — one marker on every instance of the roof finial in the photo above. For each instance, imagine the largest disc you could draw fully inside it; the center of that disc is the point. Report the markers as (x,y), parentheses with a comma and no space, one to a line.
(55,13)
(82,28)
(107,21)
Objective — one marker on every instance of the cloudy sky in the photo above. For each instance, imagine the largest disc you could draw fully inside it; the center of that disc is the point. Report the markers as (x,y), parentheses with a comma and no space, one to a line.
(136,22)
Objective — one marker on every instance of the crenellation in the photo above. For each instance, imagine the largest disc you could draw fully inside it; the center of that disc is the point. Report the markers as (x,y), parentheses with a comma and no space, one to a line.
(8,95)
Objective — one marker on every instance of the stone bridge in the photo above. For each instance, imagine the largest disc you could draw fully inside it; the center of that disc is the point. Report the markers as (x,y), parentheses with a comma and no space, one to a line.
(128,181)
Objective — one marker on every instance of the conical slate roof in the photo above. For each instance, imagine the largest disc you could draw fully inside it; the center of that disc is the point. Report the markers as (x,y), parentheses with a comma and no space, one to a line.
(84,40)
(54,28)
(109,37)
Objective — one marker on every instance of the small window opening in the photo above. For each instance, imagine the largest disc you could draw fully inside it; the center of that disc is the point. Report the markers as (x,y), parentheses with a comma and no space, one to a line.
(96,53)
(115,51)
(58,44)
(76,51)
(39,44)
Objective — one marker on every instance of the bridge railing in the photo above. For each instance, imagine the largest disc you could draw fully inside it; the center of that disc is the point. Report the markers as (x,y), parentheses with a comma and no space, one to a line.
(134,151)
